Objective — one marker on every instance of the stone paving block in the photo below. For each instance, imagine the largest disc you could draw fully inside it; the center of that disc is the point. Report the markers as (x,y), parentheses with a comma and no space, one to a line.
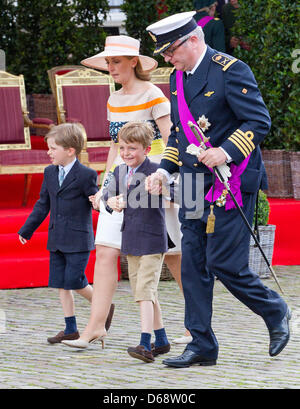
(27,361)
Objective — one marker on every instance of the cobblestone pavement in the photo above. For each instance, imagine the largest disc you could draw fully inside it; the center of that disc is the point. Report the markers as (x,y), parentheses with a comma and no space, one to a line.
(29,316)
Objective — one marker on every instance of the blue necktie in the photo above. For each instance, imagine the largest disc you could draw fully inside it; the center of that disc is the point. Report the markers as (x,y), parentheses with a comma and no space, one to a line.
(188,77)
(61,176)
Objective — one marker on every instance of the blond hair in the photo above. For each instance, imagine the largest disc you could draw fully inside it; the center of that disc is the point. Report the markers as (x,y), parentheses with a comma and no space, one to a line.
(139,72)
(141,132)
(70,135)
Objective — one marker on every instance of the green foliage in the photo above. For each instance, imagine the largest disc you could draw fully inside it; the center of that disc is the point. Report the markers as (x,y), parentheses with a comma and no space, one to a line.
(41,34)
(141,14)
(263,209)
(271,27)
(7,25)
(175,6)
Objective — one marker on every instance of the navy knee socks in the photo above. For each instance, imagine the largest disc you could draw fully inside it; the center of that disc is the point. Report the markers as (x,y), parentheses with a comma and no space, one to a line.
(71,325)
(160,337)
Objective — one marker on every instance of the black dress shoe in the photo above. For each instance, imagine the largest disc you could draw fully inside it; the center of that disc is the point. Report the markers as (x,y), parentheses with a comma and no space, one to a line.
(187,359)
(280,335)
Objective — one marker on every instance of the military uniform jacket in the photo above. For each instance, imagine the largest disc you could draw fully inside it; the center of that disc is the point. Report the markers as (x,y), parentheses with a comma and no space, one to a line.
(214,32)
(224,90)
(70,225)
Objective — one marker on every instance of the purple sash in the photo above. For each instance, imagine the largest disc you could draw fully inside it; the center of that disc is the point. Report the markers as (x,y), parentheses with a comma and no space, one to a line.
(236,170)
(203,21)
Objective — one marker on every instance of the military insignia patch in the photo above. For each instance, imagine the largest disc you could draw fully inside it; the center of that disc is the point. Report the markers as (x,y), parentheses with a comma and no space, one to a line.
(223,60)
(221,201)
(174,92)
(203,123)
(209,93)
(244,91)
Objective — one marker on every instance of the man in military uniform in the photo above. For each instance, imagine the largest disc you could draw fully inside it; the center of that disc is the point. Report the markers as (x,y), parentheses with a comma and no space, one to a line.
(212,27)
(220,92)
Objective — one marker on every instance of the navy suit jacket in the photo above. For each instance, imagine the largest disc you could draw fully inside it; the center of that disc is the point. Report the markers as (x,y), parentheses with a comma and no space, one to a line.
(71,224)
(143,229)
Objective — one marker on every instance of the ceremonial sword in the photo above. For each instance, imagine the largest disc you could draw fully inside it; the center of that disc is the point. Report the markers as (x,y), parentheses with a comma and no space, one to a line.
(223,179)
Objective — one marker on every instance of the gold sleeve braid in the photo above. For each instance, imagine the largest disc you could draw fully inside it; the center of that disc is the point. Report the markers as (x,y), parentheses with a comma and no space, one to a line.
(171,154)
(243,141)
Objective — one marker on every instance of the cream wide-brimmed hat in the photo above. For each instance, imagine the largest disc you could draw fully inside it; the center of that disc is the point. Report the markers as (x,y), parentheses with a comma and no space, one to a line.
(119,46)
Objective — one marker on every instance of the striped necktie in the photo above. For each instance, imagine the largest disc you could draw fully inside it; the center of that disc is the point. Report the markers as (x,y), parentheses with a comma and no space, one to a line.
(61,175)
(129,177)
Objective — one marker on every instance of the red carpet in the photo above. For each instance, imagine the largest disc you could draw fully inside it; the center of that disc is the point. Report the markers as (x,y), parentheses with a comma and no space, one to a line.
(285,214)
(27,265)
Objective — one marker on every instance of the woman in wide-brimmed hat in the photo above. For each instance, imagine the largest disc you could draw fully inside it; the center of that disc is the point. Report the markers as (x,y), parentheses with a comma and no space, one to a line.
(138,99)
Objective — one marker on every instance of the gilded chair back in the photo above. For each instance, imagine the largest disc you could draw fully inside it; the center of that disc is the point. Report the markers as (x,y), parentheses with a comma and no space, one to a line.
(60,70)
(82,96)
(161,78)
(14,134)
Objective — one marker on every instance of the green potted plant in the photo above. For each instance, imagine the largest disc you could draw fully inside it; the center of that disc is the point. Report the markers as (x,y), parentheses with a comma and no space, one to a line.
(266,235)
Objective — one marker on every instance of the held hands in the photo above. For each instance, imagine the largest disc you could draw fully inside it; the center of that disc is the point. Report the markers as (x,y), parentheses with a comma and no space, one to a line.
(212,157)
(154,184)
(95,200)
(116,203)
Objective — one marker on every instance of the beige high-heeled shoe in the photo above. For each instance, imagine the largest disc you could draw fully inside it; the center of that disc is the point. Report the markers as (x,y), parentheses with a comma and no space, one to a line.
(79,343)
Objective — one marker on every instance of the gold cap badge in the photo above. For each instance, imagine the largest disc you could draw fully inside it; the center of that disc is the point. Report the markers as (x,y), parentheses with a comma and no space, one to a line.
(152,36)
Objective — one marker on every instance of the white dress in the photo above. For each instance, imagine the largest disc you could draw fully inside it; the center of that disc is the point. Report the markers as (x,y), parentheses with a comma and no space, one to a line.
(147,106)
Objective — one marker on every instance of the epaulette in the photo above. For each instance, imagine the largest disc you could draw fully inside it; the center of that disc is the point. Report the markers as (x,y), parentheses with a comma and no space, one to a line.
(224,60)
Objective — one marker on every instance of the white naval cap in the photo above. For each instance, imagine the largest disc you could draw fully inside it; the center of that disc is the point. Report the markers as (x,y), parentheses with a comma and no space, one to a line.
(166,31)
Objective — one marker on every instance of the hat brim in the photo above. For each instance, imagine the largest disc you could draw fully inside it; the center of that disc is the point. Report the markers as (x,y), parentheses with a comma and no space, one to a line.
(98,61)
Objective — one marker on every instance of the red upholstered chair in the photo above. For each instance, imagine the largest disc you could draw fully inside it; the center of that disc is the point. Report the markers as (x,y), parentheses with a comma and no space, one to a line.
(60,70)
(16,155)
(161,78)
(81,96)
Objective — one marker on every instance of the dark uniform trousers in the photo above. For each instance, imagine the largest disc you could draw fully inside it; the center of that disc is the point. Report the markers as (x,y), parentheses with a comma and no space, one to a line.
(224,91)
(205,255)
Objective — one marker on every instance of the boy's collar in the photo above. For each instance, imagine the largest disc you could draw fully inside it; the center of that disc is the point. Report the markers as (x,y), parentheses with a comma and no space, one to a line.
(68,167)
(135,169)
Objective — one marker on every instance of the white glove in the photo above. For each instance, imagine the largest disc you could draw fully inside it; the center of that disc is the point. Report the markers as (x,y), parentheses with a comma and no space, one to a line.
(224,171)
(193,149)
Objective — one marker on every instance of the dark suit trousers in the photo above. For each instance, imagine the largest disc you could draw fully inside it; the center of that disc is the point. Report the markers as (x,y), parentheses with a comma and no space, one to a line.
(225,254)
